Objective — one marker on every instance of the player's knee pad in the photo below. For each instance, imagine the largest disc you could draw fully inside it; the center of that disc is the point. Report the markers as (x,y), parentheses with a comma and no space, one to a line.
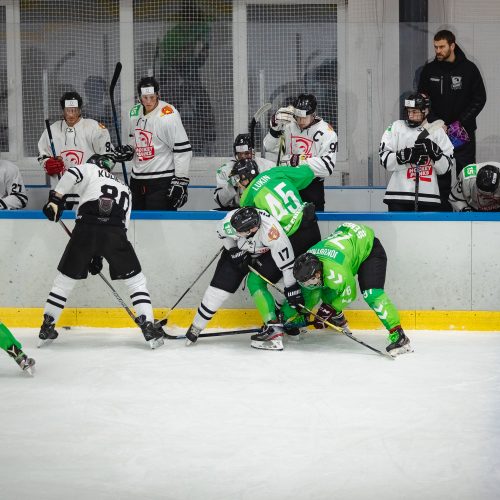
(255,283)
(374,296)
(136,283)
(64,284)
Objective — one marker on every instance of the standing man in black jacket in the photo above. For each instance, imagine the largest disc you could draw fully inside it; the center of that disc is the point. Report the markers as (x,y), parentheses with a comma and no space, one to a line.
(456,90)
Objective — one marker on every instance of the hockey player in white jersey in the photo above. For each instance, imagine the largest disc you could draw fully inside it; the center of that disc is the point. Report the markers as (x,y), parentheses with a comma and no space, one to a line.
(13,194)
(250,234)
(477,188)
(226,194)
(160,150)
(100,232)
(305,138)
(411,142)
(75,138)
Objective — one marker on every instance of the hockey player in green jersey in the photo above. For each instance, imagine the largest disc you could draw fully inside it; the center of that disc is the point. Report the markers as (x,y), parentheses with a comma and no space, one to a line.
(326,273)
(14,349)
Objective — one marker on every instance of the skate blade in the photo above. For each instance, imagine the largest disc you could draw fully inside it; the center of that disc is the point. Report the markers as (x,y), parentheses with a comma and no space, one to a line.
(30,370)
(401,350)
(190,342)
(43,342)
(155,343)
(268,345)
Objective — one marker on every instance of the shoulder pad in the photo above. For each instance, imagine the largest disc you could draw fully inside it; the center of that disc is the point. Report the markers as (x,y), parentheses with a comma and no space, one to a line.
(135,110)
(166,110)
(470,171)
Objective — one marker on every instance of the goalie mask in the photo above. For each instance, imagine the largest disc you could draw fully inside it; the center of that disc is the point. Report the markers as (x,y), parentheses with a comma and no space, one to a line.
(416,109)
(245,219)
(244,170)
(243,147)
(487,179)
(102,161)
(308,270)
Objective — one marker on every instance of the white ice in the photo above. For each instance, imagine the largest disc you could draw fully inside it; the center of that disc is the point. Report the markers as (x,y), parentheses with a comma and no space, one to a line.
(105,417)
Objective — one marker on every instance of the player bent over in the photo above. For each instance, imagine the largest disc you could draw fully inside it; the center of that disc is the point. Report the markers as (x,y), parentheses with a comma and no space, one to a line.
(326,273)
(249,233)
(100,232)
(14,349)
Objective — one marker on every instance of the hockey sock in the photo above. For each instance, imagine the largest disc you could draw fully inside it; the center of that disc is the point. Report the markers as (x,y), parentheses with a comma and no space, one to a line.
(61,289)
(382,306)
(210,304)
(141,301)
(7,339)
(263,299)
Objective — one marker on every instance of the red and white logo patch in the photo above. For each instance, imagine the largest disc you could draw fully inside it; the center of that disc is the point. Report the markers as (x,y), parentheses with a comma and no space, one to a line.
(301,146)
(425,172)
(73,155)
(144,144)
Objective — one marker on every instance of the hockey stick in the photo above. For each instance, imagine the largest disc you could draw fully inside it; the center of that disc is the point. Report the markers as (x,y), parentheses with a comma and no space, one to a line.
(114,81)
(51,139)
(115,293)
(331,325)
(256,118)
(214,334)
(163,322)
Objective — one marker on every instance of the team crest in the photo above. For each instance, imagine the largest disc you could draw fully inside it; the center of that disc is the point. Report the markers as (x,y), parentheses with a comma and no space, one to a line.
(273,233)
(456,82)
(102,125)
(73,155)
(144,144)
(166,110)
(301,145)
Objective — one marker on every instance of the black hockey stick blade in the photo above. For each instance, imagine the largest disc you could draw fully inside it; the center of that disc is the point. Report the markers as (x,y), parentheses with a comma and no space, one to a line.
(116,75)
(214,334)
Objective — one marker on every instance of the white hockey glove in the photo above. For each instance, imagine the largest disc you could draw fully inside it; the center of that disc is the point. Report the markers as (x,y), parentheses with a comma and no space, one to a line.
(282,117)
(178,191)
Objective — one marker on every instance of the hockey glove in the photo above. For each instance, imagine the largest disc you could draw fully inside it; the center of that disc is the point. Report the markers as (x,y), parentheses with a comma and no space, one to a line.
(240,258)
(403,156)
(54,166)
(430,148)
(95,265)
(328,313)
(294,296)
(177,192)
(418,154)
(123,153)
(282,117)
(54,208)
(296,160)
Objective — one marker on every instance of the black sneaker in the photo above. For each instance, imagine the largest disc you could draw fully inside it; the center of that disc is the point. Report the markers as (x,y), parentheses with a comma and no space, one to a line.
(400,343)
(48,331)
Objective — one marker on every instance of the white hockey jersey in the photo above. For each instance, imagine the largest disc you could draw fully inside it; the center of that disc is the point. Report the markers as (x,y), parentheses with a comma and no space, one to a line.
(92,183)
(12,191)
(269,237)
(401,186)
(466,197)
(226,195)
(74,144)
(317,145)
(162,147)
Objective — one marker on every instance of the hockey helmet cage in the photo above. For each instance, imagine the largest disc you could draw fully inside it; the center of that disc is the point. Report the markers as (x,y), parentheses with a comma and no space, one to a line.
(146,83)
(418,101)
(305,105)
(244,219)
(488,178)
(102,161)
(242,143)
(306,266)
(245,170)
(71,99)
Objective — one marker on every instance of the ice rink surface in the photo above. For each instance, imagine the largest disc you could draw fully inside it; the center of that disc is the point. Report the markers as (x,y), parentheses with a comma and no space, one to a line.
(105,417)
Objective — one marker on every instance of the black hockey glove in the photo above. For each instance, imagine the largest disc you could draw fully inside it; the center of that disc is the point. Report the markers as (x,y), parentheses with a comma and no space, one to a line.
(95,265)
(123,153)
(178,192)
(328,313)
(418,154)
(403,156)
(294,296)
(240,258)
(54,207)
(430,148)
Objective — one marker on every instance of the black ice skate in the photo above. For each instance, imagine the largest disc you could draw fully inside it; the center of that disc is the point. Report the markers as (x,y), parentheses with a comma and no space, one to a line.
(48,331)
(270,338)
(152,334)
(192,335)
(400,343)
(26,364)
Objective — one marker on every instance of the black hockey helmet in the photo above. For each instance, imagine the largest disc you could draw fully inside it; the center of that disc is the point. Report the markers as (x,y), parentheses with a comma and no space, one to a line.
(305,268)
(245,170)
(305,105)
(102,161)
(244,219)
(418,101)
(148,81)
(71,96)
(242,143)
(488,178)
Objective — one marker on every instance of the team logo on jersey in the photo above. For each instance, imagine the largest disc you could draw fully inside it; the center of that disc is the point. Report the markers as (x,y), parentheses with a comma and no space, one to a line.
(425,172)
(73,155)
(166,110)
(135,110)
(102,125)
(273,233)
(470,171)
(456,82)
(301,145)
(144,144)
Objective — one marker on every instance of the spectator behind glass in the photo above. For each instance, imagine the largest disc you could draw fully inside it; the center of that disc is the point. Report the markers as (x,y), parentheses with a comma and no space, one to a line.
(456,89)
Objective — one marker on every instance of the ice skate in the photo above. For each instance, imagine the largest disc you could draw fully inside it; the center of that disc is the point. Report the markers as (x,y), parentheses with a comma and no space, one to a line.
(26,364)
(192,335)
(152,334)
(48,331)
(270,338)
(400,343)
